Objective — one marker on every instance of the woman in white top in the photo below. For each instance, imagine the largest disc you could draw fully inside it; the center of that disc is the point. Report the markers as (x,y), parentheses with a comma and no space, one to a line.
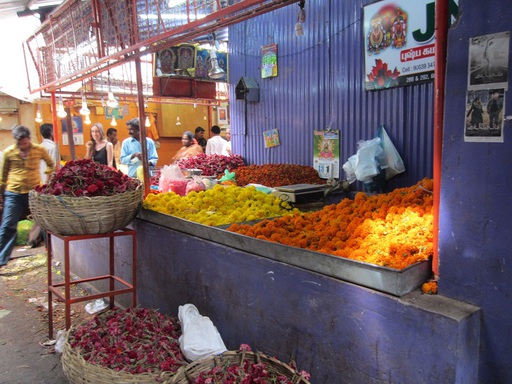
(99,149)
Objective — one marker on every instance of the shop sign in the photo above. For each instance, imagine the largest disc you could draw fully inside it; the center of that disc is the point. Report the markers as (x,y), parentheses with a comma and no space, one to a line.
(399,42)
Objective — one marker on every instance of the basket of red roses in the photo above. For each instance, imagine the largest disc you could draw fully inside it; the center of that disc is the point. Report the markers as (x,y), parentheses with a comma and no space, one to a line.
(242,366)
(136,345)
(86,198)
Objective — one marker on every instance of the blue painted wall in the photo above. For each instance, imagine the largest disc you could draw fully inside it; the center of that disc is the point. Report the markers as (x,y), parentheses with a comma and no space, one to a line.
(476,200)
(339,332)
(320,85)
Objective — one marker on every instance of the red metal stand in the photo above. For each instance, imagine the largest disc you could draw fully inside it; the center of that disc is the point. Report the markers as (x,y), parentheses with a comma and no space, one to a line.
(56,289)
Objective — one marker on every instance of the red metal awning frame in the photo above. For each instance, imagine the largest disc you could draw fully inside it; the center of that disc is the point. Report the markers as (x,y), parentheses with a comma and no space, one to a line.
(82,39)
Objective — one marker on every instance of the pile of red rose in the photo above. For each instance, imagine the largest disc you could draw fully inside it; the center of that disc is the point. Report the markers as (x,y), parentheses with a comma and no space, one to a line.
(87,178)
(135,340)
(211,165)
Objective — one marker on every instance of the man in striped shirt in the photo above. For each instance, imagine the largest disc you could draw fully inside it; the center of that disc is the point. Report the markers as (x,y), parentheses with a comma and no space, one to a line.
(20,174)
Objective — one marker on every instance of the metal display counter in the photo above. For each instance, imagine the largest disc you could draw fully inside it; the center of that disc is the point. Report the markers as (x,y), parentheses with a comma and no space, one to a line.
(392,281)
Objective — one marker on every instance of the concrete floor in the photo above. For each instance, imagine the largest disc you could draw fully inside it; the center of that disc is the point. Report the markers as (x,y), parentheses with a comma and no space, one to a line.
(23,322)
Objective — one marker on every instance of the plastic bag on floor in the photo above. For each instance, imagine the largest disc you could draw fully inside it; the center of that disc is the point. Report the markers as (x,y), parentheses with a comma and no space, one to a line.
(60,341)
(200,337)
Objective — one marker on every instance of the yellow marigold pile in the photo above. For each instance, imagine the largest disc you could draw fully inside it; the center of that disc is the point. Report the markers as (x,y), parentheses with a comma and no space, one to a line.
(219,205)
(391,230)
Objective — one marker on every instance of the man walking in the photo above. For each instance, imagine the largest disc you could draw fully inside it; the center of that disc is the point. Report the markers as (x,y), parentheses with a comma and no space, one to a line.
(20,174)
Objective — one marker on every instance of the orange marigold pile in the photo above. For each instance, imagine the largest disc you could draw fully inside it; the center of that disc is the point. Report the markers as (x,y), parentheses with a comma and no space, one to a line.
(277,175)
(391,230)
(430,288)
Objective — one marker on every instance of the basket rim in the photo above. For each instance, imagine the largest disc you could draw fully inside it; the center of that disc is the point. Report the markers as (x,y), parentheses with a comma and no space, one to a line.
(84,215)
(184,374)
(33,192)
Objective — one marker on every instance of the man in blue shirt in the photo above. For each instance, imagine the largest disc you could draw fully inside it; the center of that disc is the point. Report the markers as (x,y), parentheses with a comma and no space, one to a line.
(131,151)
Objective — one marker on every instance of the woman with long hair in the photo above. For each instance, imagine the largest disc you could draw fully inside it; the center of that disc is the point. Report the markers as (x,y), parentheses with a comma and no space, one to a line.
(99,149)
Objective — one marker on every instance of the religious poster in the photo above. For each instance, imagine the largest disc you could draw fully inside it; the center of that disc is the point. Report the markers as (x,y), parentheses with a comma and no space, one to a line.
(399,42)
(271,138)
(269,61)
(77,127)
(326,153)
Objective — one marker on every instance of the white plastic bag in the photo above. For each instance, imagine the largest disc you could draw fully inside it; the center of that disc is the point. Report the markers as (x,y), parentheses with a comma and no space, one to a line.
(367,159)
(348,167)
(60,341)
(392,163)
(200,338)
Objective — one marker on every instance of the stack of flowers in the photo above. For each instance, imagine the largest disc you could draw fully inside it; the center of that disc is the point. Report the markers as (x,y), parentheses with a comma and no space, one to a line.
(87,178)
(242,366)
(135,341)
(219,205)
(211,165)
(392,230)
(85,198)
(277,175)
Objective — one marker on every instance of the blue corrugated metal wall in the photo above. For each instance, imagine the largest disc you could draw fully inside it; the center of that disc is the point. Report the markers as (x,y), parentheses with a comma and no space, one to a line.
(320,83)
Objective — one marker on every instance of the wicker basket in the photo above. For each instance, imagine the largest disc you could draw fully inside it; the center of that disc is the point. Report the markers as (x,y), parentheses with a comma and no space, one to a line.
(79,371)
(66,215)
(189,373)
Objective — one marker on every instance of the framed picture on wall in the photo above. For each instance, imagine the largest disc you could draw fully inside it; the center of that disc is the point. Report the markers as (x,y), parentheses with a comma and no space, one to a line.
(222,116)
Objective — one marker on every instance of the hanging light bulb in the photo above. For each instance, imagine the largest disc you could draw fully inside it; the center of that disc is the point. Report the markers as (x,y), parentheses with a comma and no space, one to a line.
(147,122)
(61,112)
(113,122)
(87,119)
(84,111)
(301,17)
(215,71)
(39,118)
(111,100)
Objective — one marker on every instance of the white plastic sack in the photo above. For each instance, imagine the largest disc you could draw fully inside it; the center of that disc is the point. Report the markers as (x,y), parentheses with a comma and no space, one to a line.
(367,163)
(348,167)
(392,163)
(200,338)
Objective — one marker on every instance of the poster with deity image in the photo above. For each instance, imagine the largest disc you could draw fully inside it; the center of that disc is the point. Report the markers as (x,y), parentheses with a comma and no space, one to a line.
(326,153)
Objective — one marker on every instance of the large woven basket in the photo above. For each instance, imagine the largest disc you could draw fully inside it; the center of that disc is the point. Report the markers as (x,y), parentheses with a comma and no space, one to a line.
(79,371)
(190,372)
(66,215)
